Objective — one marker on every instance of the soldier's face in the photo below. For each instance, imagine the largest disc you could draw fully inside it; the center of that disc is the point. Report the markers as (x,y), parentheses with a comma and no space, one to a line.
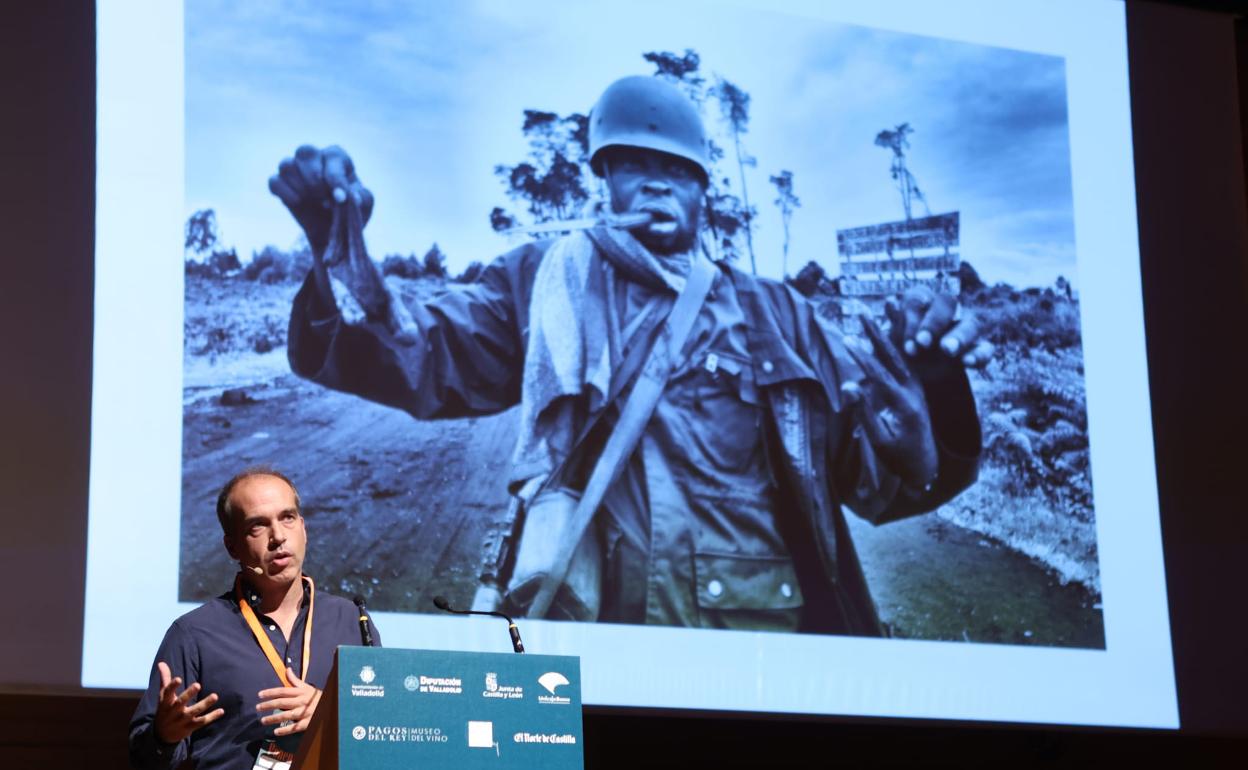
(667,187)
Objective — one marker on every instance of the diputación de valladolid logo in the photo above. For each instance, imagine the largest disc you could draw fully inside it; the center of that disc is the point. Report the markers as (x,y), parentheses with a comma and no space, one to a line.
(442,685)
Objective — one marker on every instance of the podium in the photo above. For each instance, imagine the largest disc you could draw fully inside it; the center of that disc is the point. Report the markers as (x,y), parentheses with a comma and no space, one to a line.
(387,708)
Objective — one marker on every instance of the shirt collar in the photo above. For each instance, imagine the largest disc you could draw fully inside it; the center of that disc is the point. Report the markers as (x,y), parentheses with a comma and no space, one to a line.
(253,596)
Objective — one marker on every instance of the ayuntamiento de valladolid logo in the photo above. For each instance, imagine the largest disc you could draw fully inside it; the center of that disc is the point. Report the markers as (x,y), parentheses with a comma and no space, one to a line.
(368,689)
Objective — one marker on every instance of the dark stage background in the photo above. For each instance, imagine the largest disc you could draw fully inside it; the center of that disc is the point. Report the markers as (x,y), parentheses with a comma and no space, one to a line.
(1188,72)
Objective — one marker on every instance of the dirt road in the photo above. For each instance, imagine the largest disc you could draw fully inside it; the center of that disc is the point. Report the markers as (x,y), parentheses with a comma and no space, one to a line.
(397,509)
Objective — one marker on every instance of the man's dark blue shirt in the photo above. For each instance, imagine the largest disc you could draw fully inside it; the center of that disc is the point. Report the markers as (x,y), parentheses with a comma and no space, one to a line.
(213,645)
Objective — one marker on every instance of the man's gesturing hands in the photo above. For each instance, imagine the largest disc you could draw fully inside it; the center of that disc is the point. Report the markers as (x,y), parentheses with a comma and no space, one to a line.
(179,715)
(294,704)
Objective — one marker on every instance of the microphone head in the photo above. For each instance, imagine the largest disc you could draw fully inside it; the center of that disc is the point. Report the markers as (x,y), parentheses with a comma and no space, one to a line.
(256,570)
(358,600)
(441,603)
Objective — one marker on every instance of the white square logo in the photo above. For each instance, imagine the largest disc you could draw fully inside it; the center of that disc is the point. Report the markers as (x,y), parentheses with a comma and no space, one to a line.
(481,735)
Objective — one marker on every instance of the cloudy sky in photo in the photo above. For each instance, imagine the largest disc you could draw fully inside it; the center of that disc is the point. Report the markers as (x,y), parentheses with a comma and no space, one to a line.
(428,99)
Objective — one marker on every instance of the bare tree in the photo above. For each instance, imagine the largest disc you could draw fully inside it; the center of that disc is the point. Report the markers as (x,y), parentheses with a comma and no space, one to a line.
(734,105)
(895,140)
(786,201)
(201,232)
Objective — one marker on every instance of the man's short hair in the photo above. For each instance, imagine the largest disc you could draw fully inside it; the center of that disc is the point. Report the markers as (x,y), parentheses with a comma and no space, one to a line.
(226,512)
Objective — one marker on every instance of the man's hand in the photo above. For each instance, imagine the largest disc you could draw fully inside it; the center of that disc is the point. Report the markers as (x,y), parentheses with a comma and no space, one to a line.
(294,704)
(312,183)
(934,334)
(179,715)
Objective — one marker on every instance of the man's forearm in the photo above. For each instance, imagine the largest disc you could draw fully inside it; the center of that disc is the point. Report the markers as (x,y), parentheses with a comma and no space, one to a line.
(463,358)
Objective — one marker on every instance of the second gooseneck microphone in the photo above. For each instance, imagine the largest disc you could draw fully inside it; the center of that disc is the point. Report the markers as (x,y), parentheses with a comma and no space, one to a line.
(441,603)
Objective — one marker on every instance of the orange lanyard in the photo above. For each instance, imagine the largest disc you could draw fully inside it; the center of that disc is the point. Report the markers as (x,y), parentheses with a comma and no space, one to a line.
(262,638)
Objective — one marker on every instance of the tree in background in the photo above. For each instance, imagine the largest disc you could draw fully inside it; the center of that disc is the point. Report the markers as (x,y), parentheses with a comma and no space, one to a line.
(201,232)
(734,106)
(501,221)
(432,265)
(551,182)
(681,70)
(200,253)
(786,201)
(895,140)
(435,262)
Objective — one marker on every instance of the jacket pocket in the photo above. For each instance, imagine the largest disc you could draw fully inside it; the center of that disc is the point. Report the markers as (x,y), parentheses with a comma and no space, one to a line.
(740,582)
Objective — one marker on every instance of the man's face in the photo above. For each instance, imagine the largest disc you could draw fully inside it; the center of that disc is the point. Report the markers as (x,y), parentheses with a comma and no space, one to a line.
(668,187)
(268,531)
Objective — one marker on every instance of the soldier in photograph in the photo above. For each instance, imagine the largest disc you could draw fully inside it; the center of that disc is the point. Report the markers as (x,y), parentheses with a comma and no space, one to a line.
(742,421)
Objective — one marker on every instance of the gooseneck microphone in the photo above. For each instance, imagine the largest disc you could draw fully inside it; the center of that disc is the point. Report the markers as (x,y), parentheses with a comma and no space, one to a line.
(366,634)
(441,603)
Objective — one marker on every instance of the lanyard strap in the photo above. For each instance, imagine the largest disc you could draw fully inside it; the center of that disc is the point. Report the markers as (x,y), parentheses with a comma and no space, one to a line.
(262,638)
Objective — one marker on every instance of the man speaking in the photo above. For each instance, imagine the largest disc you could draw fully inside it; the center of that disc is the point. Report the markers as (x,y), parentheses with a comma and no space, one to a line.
(237,680)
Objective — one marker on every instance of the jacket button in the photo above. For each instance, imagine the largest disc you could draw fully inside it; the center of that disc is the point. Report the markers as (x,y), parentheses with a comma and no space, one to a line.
(715,588)
(786,590)
(768,367)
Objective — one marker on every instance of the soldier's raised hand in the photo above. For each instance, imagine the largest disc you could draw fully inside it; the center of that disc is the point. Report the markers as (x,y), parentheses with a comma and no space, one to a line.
(893,408)
(312,183)
(934,334)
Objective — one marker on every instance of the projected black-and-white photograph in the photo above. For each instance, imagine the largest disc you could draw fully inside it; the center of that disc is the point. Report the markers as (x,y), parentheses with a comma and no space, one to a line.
(792,304)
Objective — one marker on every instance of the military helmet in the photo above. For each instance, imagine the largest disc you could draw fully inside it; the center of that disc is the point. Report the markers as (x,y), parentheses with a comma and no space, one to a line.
(651,113)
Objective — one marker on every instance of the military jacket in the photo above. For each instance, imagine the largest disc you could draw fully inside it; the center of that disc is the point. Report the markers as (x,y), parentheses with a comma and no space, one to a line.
(468,361)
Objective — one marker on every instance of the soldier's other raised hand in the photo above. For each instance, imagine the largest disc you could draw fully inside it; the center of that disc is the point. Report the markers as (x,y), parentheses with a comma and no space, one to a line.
(314,181)
(934,333)
(893,408)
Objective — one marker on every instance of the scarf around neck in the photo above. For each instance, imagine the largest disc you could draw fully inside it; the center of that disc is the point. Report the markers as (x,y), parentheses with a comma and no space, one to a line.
(576,334)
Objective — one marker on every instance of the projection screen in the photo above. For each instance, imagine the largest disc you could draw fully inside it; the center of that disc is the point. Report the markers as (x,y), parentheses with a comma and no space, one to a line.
(999,131)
